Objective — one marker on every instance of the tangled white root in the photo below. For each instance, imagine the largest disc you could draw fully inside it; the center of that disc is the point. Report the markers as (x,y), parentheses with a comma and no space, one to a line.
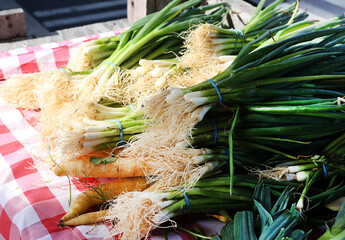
(135,215)
(157,149)
(80,61)
(198,60)
(61,98)
(278,174)
(20,90)
(199,47)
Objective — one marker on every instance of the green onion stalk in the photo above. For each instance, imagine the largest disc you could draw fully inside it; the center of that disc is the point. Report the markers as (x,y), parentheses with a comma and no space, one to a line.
(137,213)
(110,135)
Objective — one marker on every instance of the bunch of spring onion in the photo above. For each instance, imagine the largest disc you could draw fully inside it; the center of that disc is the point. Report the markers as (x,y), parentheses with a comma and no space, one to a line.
(198,61)
(267,68)
(150,38)
(209,39)
(274,77)
(59,94)
(22,90)
(210,195)
(261,136)
(111,127)
(147,34)
(90,54)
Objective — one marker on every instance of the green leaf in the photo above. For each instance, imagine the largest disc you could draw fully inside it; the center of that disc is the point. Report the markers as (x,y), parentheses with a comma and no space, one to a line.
(262,194)
(282,202)
(339,221)
(265,218)
(102,160)
(281,234)
(244,226)
(297,234)
(216,238)
(156,20)
(231,148)
(228,231)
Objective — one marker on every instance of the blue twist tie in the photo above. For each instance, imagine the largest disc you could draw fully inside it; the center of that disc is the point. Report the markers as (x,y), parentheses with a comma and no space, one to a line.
(242,36)
(324,170)
(215,132)
(131,107)
(227,150)
(121,131)
(218,92)
(110,63)
(187,200)
(236,41)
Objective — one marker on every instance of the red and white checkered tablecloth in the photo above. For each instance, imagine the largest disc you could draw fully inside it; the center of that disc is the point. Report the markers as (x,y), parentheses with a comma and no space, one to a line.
(32,199)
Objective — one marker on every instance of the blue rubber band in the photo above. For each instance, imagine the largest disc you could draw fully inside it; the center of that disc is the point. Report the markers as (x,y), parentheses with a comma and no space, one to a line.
(110,63)
(227,150)
(242,35)
(215,131)
(62,69)
(324,170)
(187,200)
(187,69)
(218,92)
(236,41)
(131,107)
(121,131)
